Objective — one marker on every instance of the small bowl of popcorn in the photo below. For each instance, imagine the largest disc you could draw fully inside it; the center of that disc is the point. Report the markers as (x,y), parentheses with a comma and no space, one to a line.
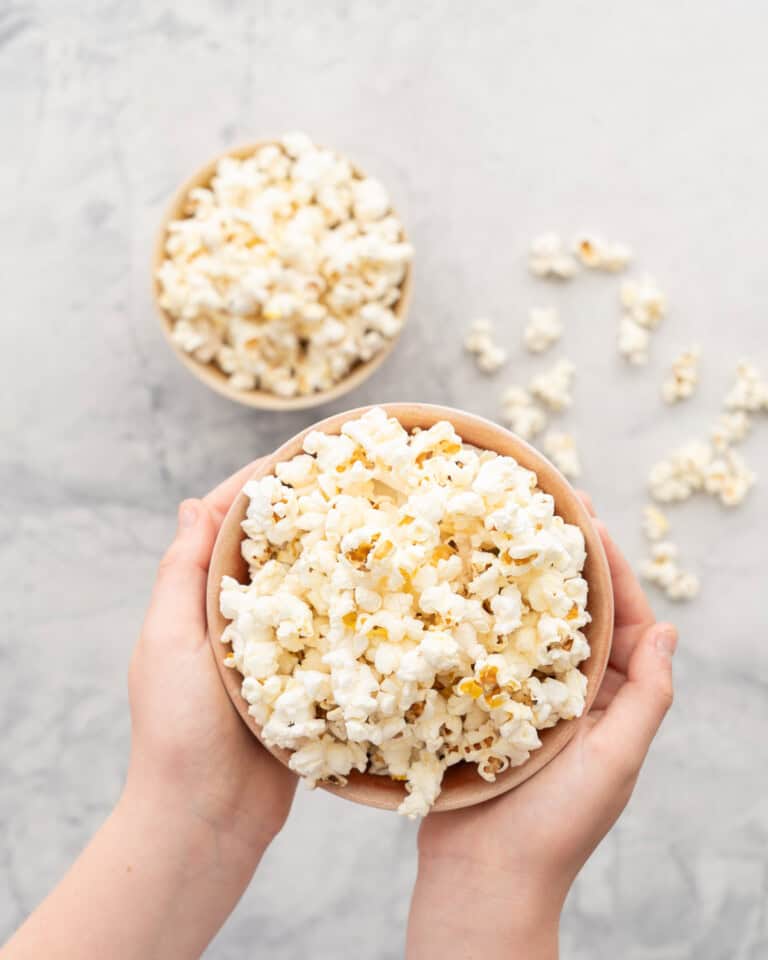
(282,275)
(410,607)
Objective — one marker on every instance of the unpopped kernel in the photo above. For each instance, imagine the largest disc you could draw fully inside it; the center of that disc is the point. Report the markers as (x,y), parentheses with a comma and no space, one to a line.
(412,603)
(287,269)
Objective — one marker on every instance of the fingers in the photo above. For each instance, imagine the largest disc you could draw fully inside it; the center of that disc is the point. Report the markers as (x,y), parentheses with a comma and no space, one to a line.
(177,609)
(631,605)
(220,498)
(625,731)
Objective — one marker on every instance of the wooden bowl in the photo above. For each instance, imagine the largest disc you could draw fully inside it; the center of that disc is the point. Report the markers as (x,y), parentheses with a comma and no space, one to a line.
(209,373)
(462,786)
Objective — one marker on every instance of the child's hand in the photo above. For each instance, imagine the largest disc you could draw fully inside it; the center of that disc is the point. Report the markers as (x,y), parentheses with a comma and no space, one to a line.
(189,745)
(493,878)
(203,798)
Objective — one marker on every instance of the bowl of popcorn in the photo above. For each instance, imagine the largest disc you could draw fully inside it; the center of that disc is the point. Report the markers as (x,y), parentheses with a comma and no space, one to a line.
(282,274)
(410,607)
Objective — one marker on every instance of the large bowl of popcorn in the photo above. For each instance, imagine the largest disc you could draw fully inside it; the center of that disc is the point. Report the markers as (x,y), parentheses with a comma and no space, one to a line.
(281,274)
(410,607)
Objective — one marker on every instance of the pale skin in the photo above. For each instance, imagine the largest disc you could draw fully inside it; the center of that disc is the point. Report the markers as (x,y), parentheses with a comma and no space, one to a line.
(203,800)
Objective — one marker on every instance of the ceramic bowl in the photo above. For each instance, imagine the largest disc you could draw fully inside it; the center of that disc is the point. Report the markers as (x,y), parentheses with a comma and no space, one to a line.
(209,373)
(462,785)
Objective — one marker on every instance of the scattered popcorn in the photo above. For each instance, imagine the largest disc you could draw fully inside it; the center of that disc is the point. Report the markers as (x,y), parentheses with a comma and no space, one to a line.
(750,392)
(655,523)
(663,570)
(597,254)
(543,329)
(683,378)
(488,355)
(729,429)
(521,414)
(633,341)
(644,302)
(549,258)
(412,603)
(287,269)
(553,386)
(696,466)
(561,449)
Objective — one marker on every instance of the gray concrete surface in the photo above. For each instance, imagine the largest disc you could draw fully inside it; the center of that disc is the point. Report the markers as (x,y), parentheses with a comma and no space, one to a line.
(490,122)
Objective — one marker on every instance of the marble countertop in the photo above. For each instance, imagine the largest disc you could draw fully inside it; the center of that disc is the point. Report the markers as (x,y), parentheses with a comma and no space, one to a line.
(490,123)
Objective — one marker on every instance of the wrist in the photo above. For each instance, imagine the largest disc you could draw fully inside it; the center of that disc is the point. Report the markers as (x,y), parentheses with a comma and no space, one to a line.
(200,832)
(468,905)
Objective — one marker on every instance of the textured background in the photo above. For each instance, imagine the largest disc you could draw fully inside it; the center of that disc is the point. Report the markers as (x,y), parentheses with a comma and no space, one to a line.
(489,122)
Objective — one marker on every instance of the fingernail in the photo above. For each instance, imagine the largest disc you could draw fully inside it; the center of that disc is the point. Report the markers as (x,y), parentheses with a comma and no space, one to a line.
(666,639)
(187,514)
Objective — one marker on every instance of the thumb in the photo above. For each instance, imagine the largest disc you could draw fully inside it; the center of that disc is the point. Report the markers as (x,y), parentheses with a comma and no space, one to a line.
(177,608)
(625,731)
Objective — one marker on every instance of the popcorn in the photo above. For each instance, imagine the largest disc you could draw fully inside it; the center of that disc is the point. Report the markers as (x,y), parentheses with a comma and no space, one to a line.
(553,387)
(412,602)
(729,429)
(655,523)
(644,302)
(683,378)
(633,341)
(750,392)
(549,258)
(286,269)
(488,355)
(543,329)
(663,570)
(696,466)
(561,449)
(682,473)
(597,254)
(521,414)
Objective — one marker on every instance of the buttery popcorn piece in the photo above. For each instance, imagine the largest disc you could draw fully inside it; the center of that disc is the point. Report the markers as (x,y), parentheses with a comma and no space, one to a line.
(549,257)
(655,523)
(633,341)
(521,414)
(698,466)
(561,449)
(644,302)
(553,386)
(750,391)
(729,429)
(683,377)
(412,602)
(597,254)
(479,341)
(543,329)
(286,270)
(662,569)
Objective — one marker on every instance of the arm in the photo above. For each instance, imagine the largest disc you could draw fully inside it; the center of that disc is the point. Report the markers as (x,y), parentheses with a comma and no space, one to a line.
(202,800)
(493,879)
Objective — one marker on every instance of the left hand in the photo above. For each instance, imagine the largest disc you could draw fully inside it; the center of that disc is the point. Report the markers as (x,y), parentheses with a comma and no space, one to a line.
(510,861)
(190,748)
